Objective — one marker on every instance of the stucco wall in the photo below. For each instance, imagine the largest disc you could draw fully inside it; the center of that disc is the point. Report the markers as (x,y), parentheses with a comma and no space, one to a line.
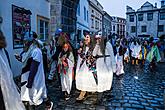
(37,7)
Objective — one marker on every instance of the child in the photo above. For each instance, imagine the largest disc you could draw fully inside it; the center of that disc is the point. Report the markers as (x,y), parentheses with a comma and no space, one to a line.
(119,61)
(65,68)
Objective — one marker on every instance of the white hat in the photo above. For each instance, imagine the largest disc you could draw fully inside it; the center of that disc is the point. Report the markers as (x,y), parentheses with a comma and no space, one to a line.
(99,35)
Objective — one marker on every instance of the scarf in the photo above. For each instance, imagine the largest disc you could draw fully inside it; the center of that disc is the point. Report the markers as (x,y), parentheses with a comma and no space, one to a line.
(61,67)
(90,62)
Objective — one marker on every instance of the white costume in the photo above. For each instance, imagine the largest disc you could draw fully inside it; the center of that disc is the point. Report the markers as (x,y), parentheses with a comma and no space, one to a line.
(51,51)
(135,50)
(67,78)
(9,90)
(126,55)
(84,77)
(119,64)
(37,93)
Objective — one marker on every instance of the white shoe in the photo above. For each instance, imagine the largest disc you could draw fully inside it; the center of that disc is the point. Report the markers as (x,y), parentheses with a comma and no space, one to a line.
(50,107)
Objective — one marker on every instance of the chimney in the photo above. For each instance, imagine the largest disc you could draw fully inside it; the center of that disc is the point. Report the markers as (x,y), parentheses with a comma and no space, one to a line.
(162,3)
(155,5)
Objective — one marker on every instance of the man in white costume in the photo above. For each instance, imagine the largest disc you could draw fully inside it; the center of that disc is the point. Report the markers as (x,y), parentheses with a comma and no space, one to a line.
(9,97)
(95,67)
(33,89)
(135,48)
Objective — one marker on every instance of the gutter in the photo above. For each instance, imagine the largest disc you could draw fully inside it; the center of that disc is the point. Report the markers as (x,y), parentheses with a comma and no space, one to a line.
(158,23)
(136,23)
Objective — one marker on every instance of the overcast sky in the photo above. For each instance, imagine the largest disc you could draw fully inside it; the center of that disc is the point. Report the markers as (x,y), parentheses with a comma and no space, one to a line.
(118,7)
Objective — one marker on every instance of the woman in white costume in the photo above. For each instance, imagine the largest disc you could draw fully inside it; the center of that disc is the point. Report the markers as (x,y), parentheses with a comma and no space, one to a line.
(9,97)
(65,68)
(119,61)
(95,67)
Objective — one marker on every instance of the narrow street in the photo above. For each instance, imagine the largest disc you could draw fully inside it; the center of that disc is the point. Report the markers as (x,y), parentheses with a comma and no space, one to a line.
(137,89)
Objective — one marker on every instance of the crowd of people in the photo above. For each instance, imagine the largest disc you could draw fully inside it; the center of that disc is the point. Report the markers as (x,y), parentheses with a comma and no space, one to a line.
(91,66)
(138,51)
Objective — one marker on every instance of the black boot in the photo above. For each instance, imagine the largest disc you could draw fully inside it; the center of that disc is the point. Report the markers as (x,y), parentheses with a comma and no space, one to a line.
(66,96)
(28,106)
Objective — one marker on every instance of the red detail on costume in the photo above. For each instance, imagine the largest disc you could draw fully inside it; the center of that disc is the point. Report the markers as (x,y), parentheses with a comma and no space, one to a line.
(62,67)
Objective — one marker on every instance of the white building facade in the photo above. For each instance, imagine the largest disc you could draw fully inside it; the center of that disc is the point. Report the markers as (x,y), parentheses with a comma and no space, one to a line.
(95,16)
(147,21)
(107,27)
(82,19)
(118,26)
(19,17)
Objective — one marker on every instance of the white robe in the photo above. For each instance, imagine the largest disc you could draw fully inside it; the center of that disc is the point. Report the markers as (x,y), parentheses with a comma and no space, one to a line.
(126,55)
(84,78)
(10,93)
(38,92)
(66,79)
(135,50)
(119,63)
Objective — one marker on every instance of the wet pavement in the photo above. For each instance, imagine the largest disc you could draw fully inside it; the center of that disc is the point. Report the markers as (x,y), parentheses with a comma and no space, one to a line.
(137,89)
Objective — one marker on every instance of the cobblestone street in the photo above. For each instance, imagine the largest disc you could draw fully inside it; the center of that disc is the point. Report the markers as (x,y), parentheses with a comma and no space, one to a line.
(137,89)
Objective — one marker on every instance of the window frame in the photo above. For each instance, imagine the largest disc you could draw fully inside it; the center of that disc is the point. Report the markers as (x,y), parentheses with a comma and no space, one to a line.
(149,15)
(159,29)
(131,18)
(84,13)
(133,29)
(45,33)
(140,17)
(142,28)
(162,17)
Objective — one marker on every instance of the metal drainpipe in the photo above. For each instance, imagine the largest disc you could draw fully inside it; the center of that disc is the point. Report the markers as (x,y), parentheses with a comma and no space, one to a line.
(136,23)
(158,22)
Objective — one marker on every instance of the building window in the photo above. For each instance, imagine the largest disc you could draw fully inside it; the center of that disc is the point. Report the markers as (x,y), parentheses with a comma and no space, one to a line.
(92,23)
(140,17)
(133,29)
(160,28)
(87,16)
(114,28)
(43,27)
(92,11)
(149,16)
(95,24)
(162,16)
(144,29)
(78,10)
(84,13)
(131,18)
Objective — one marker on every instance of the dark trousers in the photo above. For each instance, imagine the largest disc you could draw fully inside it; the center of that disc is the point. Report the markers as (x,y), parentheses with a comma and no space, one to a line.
(2,105)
